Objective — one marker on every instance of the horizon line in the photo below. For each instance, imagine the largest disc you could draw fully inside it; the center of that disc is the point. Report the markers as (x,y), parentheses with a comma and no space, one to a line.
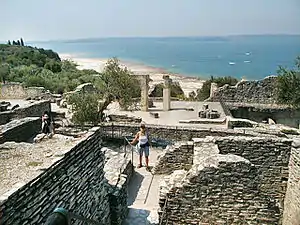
(131,37)
(191,36)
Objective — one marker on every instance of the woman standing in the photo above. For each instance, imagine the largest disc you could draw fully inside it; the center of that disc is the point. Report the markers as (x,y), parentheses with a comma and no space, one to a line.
(143,146)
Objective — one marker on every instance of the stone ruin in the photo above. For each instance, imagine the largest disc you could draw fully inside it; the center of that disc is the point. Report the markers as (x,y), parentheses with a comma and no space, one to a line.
(209,113)
(144,83)
(229,180)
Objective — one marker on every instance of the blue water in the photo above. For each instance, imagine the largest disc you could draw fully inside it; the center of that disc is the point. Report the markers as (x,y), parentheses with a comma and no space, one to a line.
(252,57)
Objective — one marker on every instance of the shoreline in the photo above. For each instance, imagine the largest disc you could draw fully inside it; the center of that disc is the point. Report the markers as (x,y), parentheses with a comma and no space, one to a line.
(187,83)
(132,65)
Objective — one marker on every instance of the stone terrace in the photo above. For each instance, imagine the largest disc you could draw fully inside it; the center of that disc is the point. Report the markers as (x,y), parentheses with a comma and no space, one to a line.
(177,113)
(22,162)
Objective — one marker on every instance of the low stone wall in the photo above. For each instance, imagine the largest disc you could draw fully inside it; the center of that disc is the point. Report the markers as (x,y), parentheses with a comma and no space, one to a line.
(18,91)
(234,122)
(13,91)
(171,133)
(35,109)
(261,91)
(291,215)
(176,157)
(118,171)
(125,118)
(78,183)
(20,130)
(261,112)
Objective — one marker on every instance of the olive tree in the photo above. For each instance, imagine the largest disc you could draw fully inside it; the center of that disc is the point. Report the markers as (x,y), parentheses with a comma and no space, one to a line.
(115,83)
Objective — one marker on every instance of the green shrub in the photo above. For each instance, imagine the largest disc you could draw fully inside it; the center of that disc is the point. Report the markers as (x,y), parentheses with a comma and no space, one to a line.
(175,90)
(204,92)
(288,85)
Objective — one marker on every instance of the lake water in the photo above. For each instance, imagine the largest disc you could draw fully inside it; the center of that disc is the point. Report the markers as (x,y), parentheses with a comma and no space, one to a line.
(252,57)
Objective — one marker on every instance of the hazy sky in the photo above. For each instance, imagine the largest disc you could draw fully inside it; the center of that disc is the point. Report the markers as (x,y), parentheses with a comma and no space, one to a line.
(71,19)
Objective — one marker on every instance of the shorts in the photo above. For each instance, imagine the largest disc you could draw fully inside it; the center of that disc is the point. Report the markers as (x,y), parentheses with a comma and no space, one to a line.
(144,150)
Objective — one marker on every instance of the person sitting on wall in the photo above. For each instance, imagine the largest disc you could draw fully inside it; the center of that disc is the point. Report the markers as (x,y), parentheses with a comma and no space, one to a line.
(143,146)
(47,125)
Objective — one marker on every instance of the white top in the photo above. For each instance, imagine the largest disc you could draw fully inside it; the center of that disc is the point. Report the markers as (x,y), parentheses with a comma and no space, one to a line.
(143,139)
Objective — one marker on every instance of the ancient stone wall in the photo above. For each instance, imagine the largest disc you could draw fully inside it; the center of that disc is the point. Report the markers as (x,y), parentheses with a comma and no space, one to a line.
(176,133)
(18,91)
(20,130)
(13,91)
(281,115)
(118,171)
(172,133)
(270,156)
(233,180)
(77,183)
(223,189)
(291,215)
(35,109)
(261,91)
(176,157)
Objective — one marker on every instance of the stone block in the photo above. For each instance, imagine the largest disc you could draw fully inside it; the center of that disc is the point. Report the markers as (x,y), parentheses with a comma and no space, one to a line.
(154,115)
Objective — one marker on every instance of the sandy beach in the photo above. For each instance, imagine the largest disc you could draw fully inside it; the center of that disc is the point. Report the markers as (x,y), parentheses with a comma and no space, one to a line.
(188,84)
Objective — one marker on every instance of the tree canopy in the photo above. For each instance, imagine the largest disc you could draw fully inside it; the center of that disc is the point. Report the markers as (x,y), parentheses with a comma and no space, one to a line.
(288,85)
(204,92)
(176,90)
(40,67)
(115,83)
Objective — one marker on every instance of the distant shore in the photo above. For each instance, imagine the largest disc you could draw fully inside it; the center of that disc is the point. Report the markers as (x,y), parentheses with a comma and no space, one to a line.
(187,83)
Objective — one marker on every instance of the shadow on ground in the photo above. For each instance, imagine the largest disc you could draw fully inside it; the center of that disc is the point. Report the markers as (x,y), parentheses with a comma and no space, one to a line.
(134,186)
(138,217)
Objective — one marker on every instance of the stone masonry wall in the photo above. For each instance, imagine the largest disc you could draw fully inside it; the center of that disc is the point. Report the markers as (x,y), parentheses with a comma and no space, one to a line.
(233,180)
(35,109)
(176,157)
(223,189)
(261,91)
(76,182)
(12,91)
(20,130)
(271,158)
(256,112)
(172,133)
(291,215)
(18,91)
(118,171)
